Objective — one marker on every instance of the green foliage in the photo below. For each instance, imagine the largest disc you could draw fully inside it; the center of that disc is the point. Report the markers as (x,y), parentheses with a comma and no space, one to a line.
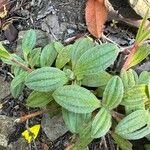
(75,79)
(135,125)
(48,55)
(75,121)
(76,99)
(28,42)
(46,79)
(122,143)
(101,123)
(95,60)
(4,53)
(17,84)
(113,93)
(39,99)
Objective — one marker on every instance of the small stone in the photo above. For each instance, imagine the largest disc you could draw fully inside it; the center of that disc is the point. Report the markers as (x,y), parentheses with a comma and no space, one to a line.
(6,127)
(4,88)
(53,127)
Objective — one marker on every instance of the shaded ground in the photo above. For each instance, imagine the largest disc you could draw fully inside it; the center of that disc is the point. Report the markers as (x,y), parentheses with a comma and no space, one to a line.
(63,21)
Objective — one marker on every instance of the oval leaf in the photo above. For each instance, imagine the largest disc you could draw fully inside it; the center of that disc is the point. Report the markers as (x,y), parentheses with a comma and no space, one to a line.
(129,78)
(48,55)
(64,56)
(28,42)
(39,99)
(96,80)
(95,60)
(135,96)
(101,123)
(76,99)
(46,79)
(96,15)
(113,93)
(134,126)
(75,121)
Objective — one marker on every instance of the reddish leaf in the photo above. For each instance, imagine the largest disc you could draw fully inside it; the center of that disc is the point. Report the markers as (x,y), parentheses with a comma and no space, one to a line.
(95,15)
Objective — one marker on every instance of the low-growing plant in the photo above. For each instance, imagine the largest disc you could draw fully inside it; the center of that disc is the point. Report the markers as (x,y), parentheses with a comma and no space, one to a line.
(94,102)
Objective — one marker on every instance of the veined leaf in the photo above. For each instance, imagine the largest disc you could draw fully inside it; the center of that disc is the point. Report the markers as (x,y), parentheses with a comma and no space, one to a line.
(79,48)
(113,93)
(28,42)
(101,123)
(122,143)
(39,99)
(97,79)
(48,55)
(64,56)
(4,53)
(95,60)
(17,84)
(134,126)
(34,57)
(46,79)
(135,96)
(141,53)
(58,47)
(144,77)
(76,99)
(129,78)
(75,121)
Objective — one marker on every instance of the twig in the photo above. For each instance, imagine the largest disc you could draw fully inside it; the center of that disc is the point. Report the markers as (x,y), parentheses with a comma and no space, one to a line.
(117,115)
(24,118)
(23,66)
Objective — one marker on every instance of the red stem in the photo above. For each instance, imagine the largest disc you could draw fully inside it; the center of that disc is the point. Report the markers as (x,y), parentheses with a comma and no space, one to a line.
(128,60)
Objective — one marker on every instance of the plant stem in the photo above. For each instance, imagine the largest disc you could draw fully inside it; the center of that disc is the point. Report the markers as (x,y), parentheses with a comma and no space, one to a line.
(117,115)
(26,117)
(132,52)
(23,66)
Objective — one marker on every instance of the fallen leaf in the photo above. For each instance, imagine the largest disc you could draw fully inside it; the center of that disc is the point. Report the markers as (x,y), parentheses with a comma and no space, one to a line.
(3,8)
(31,133)
(95,15)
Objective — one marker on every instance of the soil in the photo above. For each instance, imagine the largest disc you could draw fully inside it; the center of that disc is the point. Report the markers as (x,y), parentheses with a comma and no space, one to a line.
(26,14)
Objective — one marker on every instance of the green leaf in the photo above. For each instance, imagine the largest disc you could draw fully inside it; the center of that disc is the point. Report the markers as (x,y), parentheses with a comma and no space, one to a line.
(144,77)
(79,48)
(141,53)
(48,55)
(122,143)
(101,123)
(129,78)
(147,146)
(34,57)
(76,99)
(28,42)
(75,121)
(4,53)
(64,56)
(95,60)
(134,126)
(17,84)
(84,138)
(113,93)
(135,96)
(39,99)
(58,47)
(97,79)
(141,28)
(46,79)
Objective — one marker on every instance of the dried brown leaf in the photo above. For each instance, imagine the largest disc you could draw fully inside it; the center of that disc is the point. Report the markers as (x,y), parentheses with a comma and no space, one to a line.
(95,15)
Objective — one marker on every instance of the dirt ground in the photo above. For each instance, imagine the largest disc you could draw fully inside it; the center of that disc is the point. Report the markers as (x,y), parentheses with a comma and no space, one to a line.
(59,20)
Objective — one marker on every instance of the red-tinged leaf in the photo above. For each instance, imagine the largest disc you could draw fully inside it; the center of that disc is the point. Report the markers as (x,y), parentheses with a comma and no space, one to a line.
(4,6)
(95,15)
